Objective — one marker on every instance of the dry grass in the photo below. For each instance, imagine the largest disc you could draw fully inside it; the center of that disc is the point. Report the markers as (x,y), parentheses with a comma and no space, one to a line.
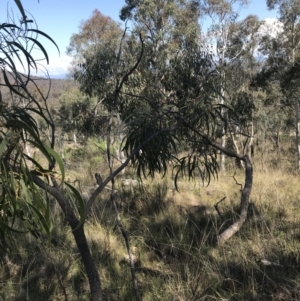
(172,235)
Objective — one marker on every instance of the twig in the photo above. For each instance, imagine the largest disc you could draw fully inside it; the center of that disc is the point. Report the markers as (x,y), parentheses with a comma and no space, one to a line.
(216,206)
(236,182)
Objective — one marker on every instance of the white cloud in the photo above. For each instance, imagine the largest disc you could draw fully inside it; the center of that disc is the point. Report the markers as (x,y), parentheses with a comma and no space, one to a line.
(57,65)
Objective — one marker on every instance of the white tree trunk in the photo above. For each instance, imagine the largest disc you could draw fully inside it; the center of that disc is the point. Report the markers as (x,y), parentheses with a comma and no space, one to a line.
(223,138)
(250,145)
(74,138)
(298,132)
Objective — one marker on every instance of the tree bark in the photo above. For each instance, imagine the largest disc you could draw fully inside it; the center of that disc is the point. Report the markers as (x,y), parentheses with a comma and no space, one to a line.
(89,264)
(245,196)
(79,235)
(298,132)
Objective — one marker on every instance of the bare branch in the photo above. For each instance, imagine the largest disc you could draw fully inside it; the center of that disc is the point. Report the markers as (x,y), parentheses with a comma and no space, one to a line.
(216,206)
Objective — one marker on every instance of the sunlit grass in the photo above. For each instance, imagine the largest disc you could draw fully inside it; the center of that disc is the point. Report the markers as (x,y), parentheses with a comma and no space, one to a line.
(172,235)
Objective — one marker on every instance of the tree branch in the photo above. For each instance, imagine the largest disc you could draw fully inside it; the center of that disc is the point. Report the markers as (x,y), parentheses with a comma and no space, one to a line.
(119,169)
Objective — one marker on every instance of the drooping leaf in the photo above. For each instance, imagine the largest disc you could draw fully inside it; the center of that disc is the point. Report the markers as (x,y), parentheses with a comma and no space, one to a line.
(58,159)
(21,9)
(79,199)
(45,35)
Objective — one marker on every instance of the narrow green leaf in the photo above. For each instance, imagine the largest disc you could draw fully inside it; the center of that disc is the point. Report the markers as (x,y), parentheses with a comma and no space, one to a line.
(81,204)
(40,168)
(45,224)
(41,48)
(15,123)
(29,58)
(2,146)
(9,25)
(39,145)
(46,36)
(10,86)
(58,159)
(9,63)
(12,52)
(21,9)
(25,191)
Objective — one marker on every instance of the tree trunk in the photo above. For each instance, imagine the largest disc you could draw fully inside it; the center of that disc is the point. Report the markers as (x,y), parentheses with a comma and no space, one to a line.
(222,158)
(250,149)
(79,235)
(298,132)
(89,264)
(246,191)
(223,138)
(83,248)
(74,138)
(121,156)
(235,227)
(239,163)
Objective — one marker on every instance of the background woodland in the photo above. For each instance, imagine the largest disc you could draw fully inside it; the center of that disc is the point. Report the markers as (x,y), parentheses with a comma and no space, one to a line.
(165,167)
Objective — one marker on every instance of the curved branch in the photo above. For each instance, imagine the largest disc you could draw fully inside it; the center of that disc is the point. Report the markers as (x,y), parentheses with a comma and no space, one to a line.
(119,169)
(245,196)
(124,78)
(63,202)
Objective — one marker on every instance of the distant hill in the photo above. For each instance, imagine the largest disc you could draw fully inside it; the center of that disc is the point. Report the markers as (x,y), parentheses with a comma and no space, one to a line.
(57,85)
(59,76)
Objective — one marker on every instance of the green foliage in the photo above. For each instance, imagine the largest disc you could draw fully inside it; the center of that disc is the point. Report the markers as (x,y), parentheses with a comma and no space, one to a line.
(81,114)
(23,206)
(170,76)
(243,108)
(20,198)
(18,40)
(160,148)
(96,52)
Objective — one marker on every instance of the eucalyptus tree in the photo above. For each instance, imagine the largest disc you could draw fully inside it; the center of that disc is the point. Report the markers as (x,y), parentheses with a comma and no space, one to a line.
(176,87)
(221,41)
(282,52)
(280,46)
(96,46)
(242,65)
(164,86)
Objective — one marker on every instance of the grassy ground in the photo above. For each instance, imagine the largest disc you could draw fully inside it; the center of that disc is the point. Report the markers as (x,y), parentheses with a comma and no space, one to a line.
(172,237)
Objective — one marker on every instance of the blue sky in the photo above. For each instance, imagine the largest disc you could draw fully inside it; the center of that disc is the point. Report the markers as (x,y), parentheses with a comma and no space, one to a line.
(61,18)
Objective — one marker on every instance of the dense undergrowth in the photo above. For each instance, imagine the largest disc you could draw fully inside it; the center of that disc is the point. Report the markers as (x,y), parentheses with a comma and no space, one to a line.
(172,237)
